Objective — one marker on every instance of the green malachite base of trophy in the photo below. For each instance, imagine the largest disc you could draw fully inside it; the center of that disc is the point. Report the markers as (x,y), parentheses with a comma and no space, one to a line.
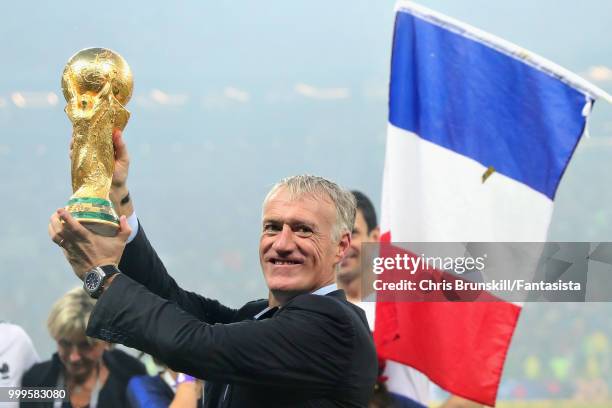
(96,214)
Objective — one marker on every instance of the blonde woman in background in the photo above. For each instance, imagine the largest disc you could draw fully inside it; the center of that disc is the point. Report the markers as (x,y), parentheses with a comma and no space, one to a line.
(92,374)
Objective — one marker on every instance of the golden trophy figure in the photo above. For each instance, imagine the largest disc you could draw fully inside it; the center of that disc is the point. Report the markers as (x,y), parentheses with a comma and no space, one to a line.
(97,84)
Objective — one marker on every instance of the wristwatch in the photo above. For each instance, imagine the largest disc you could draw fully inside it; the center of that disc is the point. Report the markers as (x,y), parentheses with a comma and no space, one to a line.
(96,278)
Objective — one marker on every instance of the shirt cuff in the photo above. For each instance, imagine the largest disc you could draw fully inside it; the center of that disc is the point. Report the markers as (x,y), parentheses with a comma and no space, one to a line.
(133,222)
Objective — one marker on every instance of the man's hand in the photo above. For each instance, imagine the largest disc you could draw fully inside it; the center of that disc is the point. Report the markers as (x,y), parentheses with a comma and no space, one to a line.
(82,248)
(119,190)
(187,394)
(122,160)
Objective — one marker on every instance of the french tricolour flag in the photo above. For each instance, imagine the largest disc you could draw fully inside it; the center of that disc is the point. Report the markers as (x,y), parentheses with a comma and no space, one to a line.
(480,133)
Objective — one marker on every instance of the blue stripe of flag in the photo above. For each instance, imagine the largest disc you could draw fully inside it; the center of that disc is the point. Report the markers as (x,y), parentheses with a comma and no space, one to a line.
(481,103)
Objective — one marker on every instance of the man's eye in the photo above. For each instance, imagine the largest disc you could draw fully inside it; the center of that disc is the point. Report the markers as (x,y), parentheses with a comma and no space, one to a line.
(270,228)
(303,231)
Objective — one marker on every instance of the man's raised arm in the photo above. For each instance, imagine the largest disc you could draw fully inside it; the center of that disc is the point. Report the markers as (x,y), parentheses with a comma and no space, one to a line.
(85,250)
(305,344)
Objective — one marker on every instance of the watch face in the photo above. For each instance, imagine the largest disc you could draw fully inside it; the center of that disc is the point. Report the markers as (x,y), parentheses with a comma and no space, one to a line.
(92,281)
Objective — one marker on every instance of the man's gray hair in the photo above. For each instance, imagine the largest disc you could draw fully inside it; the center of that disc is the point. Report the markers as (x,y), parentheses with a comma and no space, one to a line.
(70,314)
(306,184)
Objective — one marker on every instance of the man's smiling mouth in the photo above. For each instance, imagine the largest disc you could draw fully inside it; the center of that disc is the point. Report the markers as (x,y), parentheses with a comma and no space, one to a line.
(276,261)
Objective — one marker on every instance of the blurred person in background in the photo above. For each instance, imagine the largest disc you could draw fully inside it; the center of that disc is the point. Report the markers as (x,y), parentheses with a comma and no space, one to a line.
(591,384)
(395,376)
(17,355)
(92,375)
(167,389)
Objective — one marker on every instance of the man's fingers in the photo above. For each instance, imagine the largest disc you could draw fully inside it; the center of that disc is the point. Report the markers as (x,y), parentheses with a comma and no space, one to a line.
(117,137)
(72,226)
(54,235)
(124,228)
(57,233)
(55,224)
(119,144)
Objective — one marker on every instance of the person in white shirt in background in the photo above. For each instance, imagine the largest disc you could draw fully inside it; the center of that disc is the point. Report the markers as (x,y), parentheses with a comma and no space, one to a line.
(408,387)
(17,355)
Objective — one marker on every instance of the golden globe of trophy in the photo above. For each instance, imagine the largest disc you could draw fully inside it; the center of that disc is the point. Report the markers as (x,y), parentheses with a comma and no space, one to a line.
(97,84)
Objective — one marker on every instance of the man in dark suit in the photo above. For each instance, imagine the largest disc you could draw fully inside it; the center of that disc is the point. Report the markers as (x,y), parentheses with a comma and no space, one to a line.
(306,346)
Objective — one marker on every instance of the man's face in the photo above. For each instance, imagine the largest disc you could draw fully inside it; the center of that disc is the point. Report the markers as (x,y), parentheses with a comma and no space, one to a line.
(351,264)
(296,250)
(79,355)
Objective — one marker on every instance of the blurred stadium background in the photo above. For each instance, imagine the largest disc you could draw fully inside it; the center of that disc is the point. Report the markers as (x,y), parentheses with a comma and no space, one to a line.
(229,97)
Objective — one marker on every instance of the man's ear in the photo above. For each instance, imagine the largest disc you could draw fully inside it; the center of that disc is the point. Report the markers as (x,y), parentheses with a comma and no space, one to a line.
(343,245)
(375,234)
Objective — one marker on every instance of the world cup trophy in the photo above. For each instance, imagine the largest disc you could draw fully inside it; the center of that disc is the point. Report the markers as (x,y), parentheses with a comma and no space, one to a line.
(97,84)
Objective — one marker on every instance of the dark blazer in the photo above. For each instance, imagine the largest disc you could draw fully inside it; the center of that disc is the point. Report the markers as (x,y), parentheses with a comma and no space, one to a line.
(316,351)
(121,368)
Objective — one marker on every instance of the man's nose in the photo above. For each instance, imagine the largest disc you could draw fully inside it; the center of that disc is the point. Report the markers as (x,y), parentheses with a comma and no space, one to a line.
(284,242)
